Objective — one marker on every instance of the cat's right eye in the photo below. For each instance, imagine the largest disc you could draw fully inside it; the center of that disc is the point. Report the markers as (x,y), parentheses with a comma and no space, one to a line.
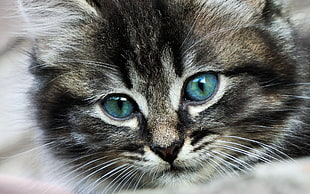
(118,106)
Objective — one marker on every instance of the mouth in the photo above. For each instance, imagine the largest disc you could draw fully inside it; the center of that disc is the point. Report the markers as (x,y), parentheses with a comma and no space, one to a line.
(180,170)
(175,169)
(173,177)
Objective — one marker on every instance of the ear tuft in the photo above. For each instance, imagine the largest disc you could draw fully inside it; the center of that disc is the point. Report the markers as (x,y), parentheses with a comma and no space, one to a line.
(268,8)
(257,4)
(50,17)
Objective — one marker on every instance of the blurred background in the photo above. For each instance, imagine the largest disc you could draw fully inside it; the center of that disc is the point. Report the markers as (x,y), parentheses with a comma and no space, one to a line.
(17,148)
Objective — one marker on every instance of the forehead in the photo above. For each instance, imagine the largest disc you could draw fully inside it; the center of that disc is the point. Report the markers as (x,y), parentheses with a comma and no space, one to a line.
(147,38)
(140,35)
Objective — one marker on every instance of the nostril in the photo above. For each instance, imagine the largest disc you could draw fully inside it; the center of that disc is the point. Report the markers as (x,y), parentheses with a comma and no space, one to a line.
(168,154)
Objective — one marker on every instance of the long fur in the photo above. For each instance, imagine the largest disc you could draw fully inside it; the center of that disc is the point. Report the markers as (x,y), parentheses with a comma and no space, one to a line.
(147,52)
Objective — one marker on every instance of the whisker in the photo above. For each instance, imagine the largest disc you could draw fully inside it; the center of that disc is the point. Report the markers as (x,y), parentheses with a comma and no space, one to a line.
(132,180)
(27,151)
(106,176)
(106,165)
(247,153)
(298,84)
(71,172)
(128,176)
(138,182)
(235,159)
(265,146)
(228,165)
(192,28)
(219,168)
(112,184)
(88,62)
(299,97)
(222,30)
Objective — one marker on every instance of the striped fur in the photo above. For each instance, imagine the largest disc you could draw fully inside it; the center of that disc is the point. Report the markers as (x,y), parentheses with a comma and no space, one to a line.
(147,50)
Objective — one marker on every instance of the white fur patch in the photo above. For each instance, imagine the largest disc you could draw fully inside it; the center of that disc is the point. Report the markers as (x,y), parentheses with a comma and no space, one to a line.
(184,154)
(177,86)
(176,92)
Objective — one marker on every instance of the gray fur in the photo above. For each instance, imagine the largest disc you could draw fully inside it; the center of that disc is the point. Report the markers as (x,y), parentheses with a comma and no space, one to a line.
(85,51)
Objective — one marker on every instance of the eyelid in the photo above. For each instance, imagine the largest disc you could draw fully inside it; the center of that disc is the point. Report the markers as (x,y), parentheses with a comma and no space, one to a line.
(132,123)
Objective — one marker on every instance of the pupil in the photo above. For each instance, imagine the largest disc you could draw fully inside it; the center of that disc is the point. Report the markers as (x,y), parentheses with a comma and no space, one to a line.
(201,85)
(120,104)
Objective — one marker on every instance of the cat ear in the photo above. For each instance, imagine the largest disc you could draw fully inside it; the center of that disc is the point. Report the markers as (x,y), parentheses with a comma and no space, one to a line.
(48,18)
(259,5)
(51,24)
(268,8)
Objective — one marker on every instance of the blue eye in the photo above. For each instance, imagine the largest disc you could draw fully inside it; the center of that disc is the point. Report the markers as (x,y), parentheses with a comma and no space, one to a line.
(201,87)
(118,106)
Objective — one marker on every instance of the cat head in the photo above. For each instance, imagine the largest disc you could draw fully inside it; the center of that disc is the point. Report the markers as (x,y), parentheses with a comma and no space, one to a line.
(158,93)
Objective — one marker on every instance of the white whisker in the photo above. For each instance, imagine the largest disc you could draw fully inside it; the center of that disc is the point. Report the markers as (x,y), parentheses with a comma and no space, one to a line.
(106,176)
(112,183)
(234,159)
(247,153)
(228,165)
(138,181)
(132,180)
(265,146)
(219,168)
(127,177)
(220,31)
(106,165)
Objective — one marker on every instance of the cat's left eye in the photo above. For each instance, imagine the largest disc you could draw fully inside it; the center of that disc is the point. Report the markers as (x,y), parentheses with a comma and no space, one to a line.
(201,87)
(118,106)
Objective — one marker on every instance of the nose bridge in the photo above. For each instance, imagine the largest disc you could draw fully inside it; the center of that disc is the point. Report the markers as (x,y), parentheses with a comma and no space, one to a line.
(163,130)
(162,119)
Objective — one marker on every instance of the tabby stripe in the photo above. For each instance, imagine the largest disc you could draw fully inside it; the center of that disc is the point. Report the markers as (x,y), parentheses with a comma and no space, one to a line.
(134,148)
(266,76)
(198,135)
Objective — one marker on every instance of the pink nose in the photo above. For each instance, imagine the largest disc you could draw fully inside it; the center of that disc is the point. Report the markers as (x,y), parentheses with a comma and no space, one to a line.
(168,154)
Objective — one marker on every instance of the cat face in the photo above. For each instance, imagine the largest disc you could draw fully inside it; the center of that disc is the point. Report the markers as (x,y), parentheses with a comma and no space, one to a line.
(135,94)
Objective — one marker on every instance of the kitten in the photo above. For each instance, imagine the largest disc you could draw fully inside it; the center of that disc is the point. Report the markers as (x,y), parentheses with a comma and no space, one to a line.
(161,93)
